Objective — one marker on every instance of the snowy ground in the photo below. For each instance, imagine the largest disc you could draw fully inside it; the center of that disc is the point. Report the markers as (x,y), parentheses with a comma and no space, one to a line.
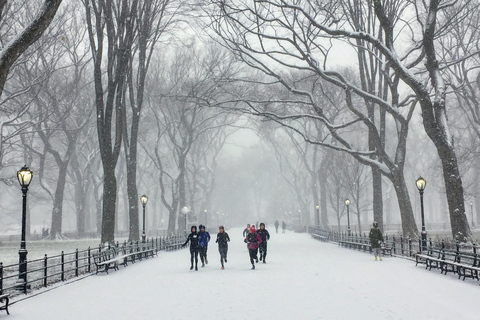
(302,279)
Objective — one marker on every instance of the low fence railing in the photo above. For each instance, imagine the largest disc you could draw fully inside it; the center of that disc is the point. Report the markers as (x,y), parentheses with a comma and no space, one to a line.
(49,270)
(399,245)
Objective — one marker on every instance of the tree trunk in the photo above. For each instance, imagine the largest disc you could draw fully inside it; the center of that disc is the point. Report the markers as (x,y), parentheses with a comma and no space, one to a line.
(109,201)
(322,181)
(378,197)
(57,211)
(409,227)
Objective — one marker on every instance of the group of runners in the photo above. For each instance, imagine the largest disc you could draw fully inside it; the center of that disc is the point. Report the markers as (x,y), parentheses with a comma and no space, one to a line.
(256,241)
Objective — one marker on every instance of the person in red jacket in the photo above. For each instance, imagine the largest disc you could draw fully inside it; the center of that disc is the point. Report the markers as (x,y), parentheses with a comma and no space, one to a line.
(253,241)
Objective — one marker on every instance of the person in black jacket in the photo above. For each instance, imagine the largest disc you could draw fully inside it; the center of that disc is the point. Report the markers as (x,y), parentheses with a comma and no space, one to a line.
(222,240)
(246,230)
(193,238)
(263,245)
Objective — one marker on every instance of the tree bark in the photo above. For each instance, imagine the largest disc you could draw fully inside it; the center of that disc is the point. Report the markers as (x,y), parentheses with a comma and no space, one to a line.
(31,33)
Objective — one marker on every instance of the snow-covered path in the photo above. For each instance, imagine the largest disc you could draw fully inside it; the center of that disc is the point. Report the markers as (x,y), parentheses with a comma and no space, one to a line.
(302,279)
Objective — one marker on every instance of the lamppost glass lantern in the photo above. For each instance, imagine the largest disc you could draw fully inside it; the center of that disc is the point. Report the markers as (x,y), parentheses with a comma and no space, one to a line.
(144,200)
(347,203)
(421,184)
(24,177)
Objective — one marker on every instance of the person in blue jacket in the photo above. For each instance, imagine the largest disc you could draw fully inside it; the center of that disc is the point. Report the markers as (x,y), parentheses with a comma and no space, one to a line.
(193,239)
(203,239)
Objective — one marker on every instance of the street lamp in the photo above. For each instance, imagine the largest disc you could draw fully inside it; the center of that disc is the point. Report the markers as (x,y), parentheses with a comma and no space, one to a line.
(205,217)
(299,218)
(144,200)
(24,176)
(318,214)
(421,184)
(347,203)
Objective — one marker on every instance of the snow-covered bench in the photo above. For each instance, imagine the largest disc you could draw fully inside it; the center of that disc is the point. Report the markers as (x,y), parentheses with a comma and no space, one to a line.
(320,237)
(4,297)
(107,259)
(465,264)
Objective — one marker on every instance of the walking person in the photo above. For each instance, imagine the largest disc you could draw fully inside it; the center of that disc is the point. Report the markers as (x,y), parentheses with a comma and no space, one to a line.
(276,226)
(265,235)
(376,240)
(284,226)
(203,239)
(222,240)
(246,230)
(193,239)
(253,240)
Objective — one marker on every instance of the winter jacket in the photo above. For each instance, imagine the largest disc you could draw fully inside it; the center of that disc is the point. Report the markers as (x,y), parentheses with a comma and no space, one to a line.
(222,239)
(253,240)
(376,238)
(264,234)
(193,238)
(204,238)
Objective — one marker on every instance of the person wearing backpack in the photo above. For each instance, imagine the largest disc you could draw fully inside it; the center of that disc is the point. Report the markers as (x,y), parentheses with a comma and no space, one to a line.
(203,239)
(222,240)
(253,240)
(265,235)
(193,238)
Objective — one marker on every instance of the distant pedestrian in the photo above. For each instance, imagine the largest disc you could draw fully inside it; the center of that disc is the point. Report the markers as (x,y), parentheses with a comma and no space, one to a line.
(246,230)
(203,239)
(253,240)
(222,240)
(284,226)
(263,233)
(376,240)
(276,226)
(193,238)
(256,225)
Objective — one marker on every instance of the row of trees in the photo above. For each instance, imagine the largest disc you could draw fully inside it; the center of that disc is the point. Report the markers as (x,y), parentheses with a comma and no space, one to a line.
(116,96)
(407,54)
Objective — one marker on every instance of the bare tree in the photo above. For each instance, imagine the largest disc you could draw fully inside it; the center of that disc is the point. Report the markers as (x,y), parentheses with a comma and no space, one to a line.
(20,42)
(306,32)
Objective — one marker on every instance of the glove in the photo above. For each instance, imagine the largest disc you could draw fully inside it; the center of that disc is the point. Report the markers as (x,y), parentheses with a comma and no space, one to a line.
(245,240)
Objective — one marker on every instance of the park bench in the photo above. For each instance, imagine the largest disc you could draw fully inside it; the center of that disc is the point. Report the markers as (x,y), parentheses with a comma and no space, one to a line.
(364,244)
(465,264)
(469,263)
(320,237)
(107,259)
(7,300)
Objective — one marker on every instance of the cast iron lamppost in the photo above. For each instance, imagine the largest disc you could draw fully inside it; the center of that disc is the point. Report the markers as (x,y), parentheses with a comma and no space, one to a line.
(205,217)
(24,176)
(347,203)
(318,214)
(144,200)
(421,184)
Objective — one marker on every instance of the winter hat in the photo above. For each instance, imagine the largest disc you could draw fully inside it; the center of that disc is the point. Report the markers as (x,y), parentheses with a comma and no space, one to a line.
(252,229)
(202,227)
(375,224)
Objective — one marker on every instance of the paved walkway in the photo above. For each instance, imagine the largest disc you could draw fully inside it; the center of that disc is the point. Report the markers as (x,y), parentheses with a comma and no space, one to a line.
(302,279)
